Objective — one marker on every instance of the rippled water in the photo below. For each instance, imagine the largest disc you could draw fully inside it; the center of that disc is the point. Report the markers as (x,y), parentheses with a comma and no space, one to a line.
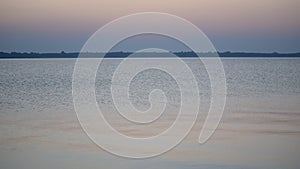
(260,127)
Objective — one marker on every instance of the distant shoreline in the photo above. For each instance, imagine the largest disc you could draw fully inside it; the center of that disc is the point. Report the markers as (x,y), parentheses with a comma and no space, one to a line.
(25,55)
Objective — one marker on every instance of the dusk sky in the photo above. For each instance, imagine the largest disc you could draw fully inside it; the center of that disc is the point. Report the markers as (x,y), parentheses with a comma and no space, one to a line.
(232,25)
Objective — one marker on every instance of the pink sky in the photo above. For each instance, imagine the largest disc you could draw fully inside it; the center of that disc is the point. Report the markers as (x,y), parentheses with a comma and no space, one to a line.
(218,19)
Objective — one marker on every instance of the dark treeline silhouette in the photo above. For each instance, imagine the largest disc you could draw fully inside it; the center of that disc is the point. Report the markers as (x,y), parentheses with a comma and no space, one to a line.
(63,54)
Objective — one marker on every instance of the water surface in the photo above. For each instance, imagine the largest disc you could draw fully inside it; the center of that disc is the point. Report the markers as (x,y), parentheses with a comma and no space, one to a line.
(260,127)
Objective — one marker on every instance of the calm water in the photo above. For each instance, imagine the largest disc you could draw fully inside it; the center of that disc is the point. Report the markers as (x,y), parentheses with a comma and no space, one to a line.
(260,127)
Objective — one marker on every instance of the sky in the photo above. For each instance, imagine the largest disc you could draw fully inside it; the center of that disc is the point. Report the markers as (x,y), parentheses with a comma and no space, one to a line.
(231,25)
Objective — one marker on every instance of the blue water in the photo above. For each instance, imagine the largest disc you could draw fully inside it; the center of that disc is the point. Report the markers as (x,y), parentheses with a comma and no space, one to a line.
(260,127)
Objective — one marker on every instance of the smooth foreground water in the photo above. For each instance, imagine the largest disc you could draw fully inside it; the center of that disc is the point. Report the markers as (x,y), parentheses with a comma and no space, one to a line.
(260,127)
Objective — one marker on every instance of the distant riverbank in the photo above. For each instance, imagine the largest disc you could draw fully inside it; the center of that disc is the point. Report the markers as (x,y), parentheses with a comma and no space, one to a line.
(9,55)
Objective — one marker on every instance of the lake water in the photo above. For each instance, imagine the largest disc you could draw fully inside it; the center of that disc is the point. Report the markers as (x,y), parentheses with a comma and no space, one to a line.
(260,127)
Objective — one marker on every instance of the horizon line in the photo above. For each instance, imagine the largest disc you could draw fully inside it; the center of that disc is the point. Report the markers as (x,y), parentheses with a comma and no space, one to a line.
(121,54)
(206,52)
